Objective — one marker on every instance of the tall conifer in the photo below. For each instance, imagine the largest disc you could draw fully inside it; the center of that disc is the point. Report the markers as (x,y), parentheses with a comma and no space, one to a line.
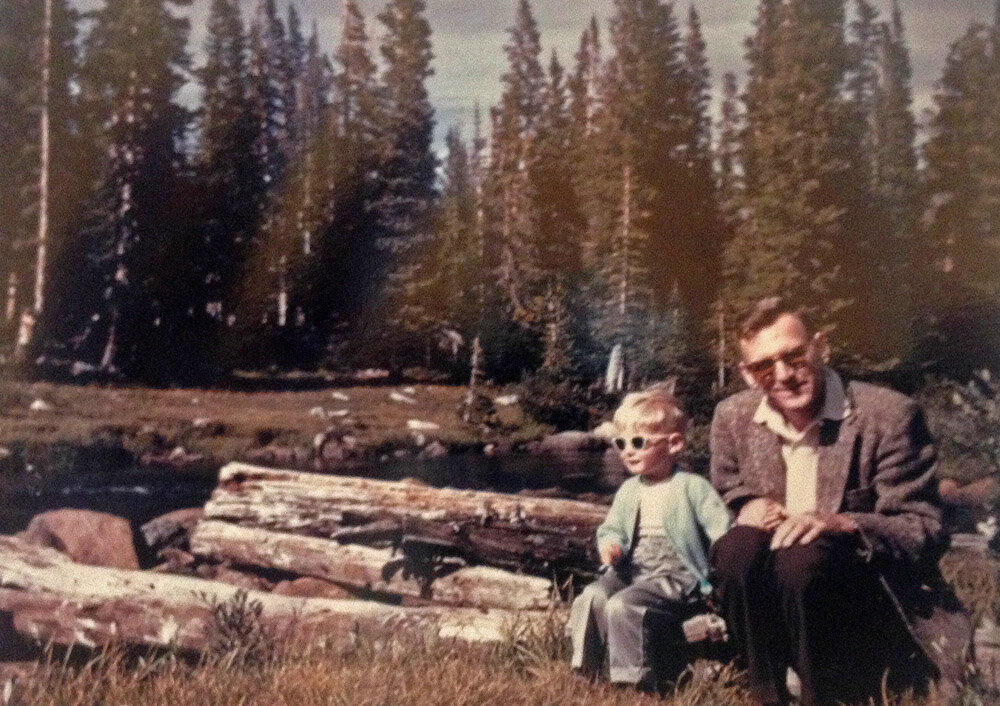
(134,64)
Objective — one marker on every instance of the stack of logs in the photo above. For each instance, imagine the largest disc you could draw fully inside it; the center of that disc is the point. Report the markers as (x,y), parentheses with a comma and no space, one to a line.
(456,563)
(404,539)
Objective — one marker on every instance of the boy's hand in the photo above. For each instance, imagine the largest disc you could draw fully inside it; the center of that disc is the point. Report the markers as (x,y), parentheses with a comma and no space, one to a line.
(610,553)
(763,513)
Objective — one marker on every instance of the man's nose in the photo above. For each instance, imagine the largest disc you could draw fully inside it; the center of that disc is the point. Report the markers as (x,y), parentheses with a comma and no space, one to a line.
(782,370)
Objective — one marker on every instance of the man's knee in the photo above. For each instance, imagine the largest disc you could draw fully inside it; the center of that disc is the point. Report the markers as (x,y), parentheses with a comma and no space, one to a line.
(738,551)
(829,561)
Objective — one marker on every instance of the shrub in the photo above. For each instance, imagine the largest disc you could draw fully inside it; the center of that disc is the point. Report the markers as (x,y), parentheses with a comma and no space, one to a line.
(237,634)
(965,420)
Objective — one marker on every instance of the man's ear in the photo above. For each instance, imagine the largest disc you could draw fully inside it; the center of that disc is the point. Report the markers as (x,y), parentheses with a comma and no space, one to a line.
(675,442)
(822,346)
(747,377)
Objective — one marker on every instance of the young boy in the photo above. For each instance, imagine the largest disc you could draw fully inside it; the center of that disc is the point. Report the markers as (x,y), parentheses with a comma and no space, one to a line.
(653,547)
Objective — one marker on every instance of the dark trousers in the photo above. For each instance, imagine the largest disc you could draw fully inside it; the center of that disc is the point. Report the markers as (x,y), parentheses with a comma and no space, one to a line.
(816,607)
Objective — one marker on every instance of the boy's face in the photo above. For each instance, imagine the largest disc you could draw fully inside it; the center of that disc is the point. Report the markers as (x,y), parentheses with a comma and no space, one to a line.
(655,459)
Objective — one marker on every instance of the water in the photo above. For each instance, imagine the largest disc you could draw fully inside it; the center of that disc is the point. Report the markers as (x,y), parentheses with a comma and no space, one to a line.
(140,495)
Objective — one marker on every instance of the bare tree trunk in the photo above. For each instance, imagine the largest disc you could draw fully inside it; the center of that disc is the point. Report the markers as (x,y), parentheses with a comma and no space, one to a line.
(26,331)
(10,311)
(111,345)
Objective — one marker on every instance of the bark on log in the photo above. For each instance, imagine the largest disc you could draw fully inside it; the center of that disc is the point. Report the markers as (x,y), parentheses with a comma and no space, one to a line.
(379,570)
(494,528)
(53,598)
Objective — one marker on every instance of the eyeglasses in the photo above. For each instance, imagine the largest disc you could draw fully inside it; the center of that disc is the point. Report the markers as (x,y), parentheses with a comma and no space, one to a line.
(638,443)
(763,370)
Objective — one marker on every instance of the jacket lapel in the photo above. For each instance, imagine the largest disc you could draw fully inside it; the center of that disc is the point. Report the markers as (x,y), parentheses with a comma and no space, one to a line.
(766,465)
(836,451)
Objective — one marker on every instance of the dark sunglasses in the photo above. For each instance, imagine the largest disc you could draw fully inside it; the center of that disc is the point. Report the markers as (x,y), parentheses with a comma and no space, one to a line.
(638,443)
(763,370)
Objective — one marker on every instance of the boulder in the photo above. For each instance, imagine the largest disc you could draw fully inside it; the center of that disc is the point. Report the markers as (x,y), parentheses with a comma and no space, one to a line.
(974,494)
(309,587)
(435,449)
(567,442)
(85,536)
(171,529)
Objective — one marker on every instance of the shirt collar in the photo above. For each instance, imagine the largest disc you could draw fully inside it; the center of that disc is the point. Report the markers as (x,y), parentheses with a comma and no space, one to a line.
(836,406)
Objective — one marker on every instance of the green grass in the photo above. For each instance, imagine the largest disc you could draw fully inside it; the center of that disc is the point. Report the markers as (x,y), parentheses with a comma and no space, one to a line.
(121,425)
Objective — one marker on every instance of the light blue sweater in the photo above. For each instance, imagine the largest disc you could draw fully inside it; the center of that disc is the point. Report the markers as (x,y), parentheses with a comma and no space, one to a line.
(694,517)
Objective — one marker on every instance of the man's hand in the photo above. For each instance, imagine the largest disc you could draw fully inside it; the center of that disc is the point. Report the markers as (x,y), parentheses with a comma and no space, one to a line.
(762,513)
(802,529)
(610,553)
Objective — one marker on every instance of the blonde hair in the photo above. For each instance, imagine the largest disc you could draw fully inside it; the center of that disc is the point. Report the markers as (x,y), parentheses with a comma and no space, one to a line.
(652,411)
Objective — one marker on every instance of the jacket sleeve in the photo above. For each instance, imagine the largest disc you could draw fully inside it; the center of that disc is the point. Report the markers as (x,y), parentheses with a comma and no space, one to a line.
(613,527)
(712,513)
(906,521)
(724,469)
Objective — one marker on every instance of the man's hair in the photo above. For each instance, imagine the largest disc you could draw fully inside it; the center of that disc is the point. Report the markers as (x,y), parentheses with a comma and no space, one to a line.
(764,312)
(654,410)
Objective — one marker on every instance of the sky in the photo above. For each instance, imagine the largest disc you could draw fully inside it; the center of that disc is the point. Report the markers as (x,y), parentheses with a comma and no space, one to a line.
(468,38)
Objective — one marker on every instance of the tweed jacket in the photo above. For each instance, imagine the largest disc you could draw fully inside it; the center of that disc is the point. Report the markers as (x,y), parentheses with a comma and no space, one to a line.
(877,465)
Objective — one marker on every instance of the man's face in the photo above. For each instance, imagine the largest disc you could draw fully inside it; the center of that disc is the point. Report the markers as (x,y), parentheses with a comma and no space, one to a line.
(787,365)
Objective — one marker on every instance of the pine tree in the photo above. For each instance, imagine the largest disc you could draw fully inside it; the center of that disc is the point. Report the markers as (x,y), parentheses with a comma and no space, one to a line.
(798,162)
(40,185)
(134,63)
(512,184)
(963,191)
(405,189)
(655,89)
(560,221)
(593,180)
(895,186)
(557,360)
(700,239)
(226,171)
(584,85)
(728,168)
(347,258)
(626,294)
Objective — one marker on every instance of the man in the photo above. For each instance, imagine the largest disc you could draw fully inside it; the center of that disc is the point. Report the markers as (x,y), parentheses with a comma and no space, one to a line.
(838,531)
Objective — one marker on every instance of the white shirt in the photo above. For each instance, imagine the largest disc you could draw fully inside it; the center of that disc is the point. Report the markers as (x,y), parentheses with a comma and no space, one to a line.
(800,449)
(652,505)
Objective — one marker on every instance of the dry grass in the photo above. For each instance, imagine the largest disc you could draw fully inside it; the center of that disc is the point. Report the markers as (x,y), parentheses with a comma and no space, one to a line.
(976,580)
(404,670)
(530,667)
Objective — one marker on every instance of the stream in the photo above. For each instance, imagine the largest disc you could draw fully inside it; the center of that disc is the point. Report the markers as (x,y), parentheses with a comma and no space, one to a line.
(142,494)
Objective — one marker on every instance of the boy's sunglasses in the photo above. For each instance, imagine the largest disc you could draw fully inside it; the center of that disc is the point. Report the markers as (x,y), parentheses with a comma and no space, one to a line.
(763,370)
(638,443)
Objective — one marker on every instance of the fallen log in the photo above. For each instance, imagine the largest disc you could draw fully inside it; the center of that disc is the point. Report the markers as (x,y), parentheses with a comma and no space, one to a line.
(54,599)
(484,527)
(449,582)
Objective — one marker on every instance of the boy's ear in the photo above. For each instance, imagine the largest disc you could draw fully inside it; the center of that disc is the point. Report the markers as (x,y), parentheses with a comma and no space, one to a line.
(675,442)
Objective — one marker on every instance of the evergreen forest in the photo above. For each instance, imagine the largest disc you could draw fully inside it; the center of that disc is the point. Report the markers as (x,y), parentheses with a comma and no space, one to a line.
(300,219)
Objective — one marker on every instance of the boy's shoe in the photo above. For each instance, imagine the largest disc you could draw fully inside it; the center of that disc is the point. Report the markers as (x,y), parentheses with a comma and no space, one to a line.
(705,626)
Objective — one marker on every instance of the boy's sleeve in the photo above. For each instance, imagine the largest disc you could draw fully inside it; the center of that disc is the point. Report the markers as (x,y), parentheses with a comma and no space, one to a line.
(713,515)
(612,529)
